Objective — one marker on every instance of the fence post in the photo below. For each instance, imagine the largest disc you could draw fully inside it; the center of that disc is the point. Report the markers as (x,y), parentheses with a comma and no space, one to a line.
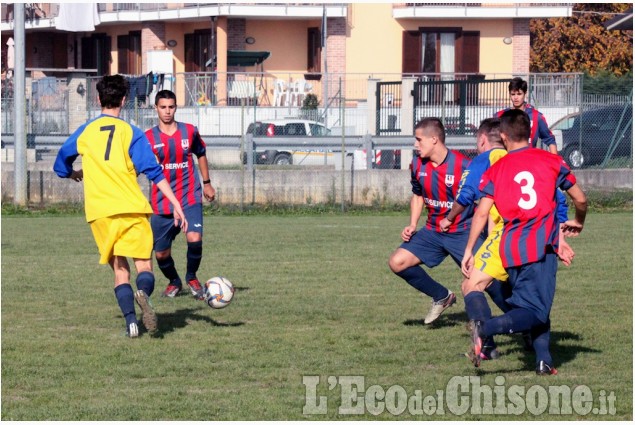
(371,101)
(407,116)
(368,147)
(19,99)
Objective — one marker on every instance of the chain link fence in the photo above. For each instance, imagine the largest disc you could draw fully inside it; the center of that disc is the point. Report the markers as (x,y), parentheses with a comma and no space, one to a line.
(302,139)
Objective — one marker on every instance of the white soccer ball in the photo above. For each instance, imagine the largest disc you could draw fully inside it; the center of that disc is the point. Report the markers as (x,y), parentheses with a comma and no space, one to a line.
(219,292)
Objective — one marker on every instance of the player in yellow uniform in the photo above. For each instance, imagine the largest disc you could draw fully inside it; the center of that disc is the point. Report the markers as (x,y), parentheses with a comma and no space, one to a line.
(113,154)
(488,272)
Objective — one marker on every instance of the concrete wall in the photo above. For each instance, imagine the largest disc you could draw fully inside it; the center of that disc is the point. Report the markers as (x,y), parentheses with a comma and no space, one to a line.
(301,186)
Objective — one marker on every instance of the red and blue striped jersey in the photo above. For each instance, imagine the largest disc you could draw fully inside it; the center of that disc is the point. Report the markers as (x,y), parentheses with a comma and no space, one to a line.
(439,187)
(175,155)
(539,127)
(523,185)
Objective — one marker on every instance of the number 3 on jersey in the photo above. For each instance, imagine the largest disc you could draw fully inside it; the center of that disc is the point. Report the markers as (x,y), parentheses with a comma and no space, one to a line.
(526,189)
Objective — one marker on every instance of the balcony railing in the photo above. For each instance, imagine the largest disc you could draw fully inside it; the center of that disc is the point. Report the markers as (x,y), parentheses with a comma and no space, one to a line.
(36,11)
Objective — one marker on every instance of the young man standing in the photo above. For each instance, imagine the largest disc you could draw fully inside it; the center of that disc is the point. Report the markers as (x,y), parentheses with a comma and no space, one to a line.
(539,127)
(435,175)
(175,144)
(523,186)
(113,154)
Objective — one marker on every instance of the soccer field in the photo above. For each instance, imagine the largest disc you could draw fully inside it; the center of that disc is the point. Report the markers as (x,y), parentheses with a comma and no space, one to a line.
(314,298)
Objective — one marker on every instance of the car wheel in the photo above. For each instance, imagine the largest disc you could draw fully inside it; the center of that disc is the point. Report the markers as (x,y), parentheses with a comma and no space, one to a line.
(574,156)
(282,159)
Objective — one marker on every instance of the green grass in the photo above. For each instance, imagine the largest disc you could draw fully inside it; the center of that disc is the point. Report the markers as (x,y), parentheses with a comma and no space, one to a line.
(314,297)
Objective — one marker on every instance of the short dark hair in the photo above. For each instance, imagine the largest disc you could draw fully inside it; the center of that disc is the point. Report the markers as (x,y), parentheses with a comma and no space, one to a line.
(164,94)
(518,83)
(515,124)
(112,89)
(490,127)
(432,125)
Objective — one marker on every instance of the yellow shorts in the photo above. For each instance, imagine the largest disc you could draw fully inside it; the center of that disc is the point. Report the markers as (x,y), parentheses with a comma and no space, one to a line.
(125,235)
(488,259)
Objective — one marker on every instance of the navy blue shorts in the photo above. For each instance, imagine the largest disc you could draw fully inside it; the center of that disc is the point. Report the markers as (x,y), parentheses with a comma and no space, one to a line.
(165,231)
(534,285)
(433,247)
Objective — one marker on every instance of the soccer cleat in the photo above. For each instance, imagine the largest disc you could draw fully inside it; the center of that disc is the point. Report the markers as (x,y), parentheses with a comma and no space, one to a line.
(148,317)
(197,291)
(439,307)
(545,369)
(489,353)
(172,291)
(133,330)
(476,343)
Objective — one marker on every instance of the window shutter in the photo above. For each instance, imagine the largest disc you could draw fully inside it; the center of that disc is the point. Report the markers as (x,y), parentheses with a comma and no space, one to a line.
(122,54)
(470,57)
(411,55)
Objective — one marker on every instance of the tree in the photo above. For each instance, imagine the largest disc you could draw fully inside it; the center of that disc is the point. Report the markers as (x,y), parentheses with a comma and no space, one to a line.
(581,43)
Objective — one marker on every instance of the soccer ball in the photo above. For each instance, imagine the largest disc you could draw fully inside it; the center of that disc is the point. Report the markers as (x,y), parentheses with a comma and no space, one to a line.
(219,292)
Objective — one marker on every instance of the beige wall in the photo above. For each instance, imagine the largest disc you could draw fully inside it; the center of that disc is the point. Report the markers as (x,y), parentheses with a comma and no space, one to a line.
(286,40)
(375,40)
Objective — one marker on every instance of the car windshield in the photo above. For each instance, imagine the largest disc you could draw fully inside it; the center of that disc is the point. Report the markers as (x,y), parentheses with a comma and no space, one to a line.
(319,130)
(565,123)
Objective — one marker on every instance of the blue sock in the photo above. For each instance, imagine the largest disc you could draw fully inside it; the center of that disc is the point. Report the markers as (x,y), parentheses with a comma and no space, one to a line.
(194,255)
(168,269)
(145,282)
(541,336)
(125,298)
(477,308)
(421,281)
(496,291)
(516,320)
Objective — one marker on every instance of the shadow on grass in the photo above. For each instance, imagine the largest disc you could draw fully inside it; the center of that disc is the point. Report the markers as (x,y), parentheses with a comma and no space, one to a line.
(169,322)
(444,321)
(561,353)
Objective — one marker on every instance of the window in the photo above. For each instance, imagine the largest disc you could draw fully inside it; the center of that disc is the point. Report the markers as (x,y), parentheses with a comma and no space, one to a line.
(129,53)
(296,129)
(319,130)
(96,53)
(198,51)
(440,50)
(314,50)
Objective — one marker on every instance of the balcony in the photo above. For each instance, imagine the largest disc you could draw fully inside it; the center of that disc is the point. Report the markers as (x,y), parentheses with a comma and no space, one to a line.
(481,10)
(42,15)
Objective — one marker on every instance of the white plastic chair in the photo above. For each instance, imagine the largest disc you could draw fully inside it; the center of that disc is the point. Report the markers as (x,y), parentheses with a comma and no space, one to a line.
(280,92)
(298,91)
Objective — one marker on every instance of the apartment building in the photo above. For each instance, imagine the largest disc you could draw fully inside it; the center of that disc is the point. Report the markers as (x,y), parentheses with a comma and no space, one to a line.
(285,41)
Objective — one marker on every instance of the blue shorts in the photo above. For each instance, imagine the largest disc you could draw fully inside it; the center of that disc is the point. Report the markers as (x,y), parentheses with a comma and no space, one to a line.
(534,285)
(165,231)
(431,247)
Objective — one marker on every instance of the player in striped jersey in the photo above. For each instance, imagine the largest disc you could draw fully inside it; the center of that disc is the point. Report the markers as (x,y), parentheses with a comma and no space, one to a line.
(113,154)
(523,186)
(539,127)
(175,144)
(435,175)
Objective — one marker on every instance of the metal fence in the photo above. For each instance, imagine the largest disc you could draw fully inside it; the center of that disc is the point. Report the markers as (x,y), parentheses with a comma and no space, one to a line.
(355,129)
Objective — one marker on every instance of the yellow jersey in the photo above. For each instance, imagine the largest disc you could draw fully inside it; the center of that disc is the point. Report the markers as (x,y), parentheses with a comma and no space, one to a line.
(113,153)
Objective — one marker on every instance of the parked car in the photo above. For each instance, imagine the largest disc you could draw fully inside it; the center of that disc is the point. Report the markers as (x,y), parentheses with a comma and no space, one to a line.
(584,139)
(304,128)
(284,127)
